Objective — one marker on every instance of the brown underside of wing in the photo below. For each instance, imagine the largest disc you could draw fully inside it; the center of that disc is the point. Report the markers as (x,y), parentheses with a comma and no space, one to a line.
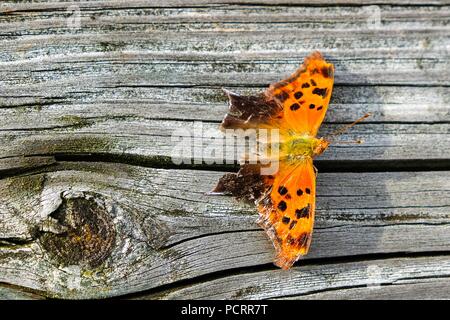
(247,184)
(247,112)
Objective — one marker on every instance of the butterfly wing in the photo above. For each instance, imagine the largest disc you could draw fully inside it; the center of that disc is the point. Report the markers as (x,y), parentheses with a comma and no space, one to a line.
(297,103)
(287,211)
(305,95)
(286,199)
(250,112)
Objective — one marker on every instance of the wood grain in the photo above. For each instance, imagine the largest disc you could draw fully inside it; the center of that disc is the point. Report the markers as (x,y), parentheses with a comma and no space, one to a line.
(93,205)
(168,230)
(374,279)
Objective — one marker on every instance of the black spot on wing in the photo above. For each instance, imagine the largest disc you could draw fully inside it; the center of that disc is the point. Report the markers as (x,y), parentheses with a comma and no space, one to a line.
(285,220)
(303,213)
(283,96)
(282,205)
(282,190)
(294,106)
(320,92)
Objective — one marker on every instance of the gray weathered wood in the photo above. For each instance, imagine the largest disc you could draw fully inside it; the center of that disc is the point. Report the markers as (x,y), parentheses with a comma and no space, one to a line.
(162,138)
(424,289)
(128,82)
(8,292)
(167,230)
(382,279)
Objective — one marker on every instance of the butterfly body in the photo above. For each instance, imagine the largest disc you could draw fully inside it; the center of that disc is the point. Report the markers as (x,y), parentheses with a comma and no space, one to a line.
(298,146)
(285,199)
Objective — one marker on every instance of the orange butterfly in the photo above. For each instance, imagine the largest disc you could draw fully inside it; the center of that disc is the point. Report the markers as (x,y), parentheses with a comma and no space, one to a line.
(285,200)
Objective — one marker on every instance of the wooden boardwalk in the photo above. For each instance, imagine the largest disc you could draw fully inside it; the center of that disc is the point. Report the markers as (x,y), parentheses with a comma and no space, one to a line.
(91,205)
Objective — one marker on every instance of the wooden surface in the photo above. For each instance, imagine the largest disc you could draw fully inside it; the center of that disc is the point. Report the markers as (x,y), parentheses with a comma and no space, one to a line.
(92,205)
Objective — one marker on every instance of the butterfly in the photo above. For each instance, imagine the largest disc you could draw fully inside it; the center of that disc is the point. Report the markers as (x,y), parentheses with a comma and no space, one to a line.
(286,200)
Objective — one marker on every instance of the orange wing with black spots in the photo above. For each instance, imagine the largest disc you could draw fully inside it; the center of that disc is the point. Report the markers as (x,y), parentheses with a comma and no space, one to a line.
(305,95)
(287,211)
(285,200)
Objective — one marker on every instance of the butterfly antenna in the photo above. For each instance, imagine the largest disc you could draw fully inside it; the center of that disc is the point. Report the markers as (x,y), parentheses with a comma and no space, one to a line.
(347,127)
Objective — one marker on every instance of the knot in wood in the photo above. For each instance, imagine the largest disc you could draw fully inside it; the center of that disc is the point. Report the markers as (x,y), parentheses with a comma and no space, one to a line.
(89,234)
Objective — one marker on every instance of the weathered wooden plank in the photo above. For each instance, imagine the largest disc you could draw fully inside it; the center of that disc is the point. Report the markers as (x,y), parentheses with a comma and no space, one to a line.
(69,84)
(106,69)
(12,6)
(415,289)
(387,278)
(158,227)
(220,47)
(386,103)
(178,141)
(226,19)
